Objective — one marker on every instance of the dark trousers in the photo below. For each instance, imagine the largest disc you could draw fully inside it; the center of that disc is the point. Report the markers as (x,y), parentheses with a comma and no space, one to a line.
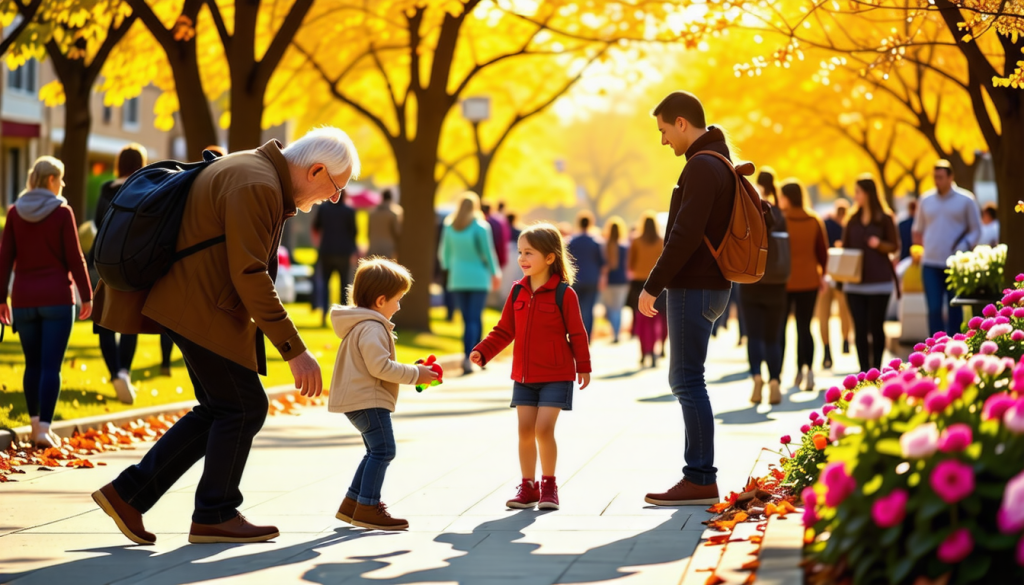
(374,424)
(764,308)
(117,353)
(587,294)
(44,333)
(938,296)
(801,305)
(166,345)
(735,298)
(329,264)
(471,306)
(232,408)
(691,312)
(868,313)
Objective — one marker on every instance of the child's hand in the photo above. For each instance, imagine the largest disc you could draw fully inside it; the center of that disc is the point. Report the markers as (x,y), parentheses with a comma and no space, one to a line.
(584,379)
(427,375)
(477,358)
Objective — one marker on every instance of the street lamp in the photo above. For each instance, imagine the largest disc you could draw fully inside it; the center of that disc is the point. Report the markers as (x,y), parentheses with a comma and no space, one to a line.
(476,109)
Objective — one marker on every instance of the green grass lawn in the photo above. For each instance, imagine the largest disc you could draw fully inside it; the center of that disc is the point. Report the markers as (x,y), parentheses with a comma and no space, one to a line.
(86,390)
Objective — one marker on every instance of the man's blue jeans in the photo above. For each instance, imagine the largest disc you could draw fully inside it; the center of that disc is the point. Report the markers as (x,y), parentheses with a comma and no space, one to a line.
(938,295)
(691,314)
(471,305)
(379,437)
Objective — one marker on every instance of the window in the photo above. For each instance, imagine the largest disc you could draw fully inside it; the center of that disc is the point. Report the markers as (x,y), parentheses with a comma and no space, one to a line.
(130,112)
(23,78)
(14,174)
(108,114)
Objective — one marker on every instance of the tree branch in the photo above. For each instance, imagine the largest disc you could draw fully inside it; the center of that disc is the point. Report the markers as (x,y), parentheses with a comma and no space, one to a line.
(218,21)
(114,35)
(272,58)
(28,13)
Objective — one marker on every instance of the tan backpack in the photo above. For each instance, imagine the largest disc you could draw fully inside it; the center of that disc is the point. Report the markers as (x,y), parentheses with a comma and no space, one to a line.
(743,253)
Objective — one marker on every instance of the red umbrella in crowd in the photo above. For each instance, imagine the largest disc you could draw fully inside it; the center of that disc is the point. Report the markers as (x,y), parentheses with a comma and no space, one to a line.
(362,198)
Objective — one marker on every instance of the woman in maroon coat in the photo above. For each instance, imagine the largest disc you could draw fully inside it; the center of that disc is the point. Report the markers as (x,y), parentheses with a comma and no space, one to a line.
(41,241)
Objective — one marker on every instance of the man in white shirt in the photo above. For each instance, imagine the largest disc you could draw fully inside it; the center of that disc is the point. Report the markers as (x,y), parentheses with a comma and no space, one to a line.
(947,221)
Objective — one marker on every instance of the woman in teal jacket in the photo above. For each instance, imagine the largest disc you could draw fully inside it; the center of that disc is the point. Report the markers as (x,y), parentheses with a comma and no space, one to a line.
(467,253)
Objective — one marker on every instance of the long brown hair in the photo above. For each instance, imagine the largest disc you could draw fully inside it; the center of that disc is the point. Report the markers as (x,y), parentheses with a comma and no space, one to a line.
(648,228)
(613,232)
(877,206)
(766,179)
(546,239)
(793,191)
(468,211)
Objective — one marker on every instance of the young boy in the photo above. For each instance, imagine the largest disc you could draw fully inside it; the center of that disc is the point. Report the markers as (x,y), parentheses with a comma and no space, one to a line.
(365,384)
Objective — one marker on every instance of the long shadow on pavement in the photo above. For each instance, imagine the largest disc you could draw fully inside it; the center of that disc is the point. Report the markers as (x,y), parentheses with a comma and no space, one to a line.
(181,566)
(493,556)
(750,414)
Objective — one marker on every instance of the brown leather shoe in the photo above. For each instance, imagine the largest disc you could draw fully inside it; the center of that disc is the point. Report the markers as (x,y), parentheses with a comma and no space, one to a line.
(127,518)
(686,493)
(377,518)
(238,529)
(347,509)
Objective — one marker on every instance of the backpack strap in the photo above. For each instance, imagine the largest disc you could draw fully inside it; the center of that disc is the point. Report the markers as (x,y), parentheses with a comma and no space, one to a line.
(559,296)
(198,247)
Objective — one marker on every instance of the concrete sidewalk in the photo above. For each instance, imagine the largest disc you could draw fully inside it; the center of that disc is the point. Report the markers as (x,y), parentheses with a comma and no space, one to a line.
(456,466)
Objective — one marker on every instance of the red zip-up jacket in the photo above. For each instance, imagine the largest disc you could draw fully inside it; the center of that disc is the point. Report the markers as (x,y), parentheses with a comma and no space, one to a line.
(548,348)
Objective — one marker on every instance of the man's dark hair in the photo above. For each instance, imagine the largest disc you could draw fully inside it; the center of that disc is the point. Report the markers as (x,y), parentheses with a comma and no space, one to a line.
(485,208)
(130,159)
(386,195)
(990,210)
(681,104)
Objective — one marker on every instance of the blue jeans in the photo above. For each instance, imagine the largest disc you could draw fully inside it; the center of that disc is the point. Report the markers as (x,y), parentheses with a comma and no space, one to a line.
(691,313)
(471,305)
(938,295)
(378,436)
(587,294)
(44,333)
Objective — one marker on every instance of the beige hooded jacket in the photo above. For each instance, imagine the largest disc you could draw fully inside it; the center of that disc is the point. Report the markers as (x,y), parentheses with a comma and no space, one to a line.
(366,374)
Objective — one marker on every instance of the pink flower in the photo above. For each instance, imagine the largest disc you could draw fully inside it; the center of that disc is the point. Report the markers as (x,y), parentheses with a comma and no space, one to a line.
(988,324)
(956,348)
(971,333)
(959,337)
(833,394)
(937,401)
(850,382)
(1020,278)
(827,409)
(836,431)
(910,376)
(952,481)
(933,362)
(1017,335)
(1002,320)
(810,499)
(805,429)
(869,404)
(917,359)
(920,442)
(861,377)
(922,388)
(989,311)
(940,348)
(999,330)
(1011,513)
(848,397)
(896,363)
(1018,313)
(965,376)
(814,415)
(786,439)
(975,322)
(1007,311)
(1014,417)
(890,375)
(955,391)
(956,547)
(920,347)
(989,348)
(893,389)
(956,438)
(838,483)
(873,373)
(930,342)
(888,511)
(997,405)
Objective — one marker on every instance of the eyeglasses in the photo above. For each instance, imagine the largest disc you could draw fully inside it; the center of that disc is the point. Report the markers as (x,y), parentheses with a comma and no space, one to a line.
(338,191)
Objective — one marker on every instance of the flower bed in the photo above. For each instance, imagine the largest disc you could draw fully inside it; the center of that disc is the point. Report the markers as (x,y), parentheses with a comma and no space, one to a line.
(979,271)
(917,470)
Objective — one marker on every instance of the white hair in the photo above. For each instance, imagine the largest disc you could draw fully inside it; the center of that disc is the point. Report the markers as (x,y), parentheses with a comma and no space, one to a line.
(327,145)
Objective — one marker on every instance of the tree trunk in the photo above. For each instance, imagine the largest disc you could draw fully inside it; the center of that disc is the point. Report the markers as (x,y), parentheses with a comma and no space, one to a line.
(484,161)
(196,117)
(1008,160)
(963,173)
(246,117)
(74,152)
(417,246)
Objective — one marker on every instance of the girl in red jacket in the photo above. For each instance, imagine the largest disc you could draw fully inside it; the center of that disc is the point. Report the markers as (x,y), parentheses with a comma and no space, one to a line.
(542,315)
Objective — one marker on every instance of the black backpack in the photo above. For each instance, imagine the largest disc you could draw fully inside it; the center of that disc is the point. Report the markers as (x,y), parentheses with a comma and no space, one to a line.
(137,241)
(777,268)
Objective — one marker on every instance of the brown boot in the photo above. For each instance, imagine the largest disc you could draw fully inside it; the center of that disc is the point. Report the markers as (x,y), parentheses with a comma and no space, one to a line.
(774,392)
(238,529)
(377,518)
(127,518)
(347,509)
(686,493)
(758,384)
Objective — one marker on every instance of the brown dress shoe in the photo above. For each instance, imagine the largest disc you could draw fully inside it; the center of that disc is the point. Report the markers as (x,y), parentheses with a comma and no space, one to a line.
(127,518)
(347,509)
(238,529)
(377,518)
(686,493)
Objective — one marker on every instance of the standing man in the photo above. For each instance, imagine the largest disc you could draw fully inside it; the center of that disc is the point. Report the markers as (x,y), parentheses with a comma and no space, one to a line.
(947,221)
(217,305)
(385,227)
(336,226)
(701,206)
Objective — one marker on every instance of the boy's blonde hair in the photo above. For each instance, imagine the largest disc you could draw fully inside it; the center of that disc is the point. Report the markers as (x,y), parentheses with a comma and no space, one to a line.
(375,277)
(546,239)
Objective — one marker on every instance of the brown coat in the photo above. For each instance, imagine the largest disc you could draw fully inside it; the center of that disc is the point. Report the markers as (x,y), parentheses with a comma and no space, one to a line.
(218,297)
(808,249)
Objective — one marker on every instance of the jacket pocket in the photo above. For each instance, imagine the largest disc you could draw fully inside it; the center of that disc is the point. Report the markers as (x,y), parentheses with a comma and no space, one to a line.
(557,352)
(715,303)
(229,299)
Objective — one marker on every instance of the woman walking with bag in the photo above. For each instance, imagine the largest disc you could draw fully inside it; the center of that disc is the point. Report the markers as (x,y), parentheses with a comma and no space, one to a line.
(617,286)
(41,237)
(644,251)
(870,228)
(468,254)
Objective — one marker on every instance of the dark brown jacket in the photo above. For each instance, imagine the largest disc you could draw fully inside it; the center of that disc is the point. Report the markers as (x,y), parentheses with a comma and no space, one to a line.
(218,297)
(808,250)
(701,204)
(876,265)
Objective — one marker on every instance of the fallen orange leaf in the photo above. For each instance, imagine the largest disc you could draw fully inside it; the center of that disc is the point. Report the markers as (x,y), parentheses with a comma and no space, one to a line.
(80,464)
(769,510)
(718,539)
(756,538)
(751,565)
(740,517)
(788,506)
(719,507)
(714,579)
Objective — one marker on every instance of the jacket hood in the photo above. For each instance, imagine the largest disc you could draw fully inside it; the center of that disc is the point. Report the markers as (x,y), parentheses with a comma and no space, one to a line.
(343,319)
(36,205)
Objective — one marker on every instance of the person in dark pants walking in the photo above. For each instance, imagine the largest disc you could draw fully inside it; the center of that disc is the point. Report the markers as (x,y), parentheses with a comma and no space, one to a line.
(217,305)
(336,226)
(697,291)
(871,228)
(590,261)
